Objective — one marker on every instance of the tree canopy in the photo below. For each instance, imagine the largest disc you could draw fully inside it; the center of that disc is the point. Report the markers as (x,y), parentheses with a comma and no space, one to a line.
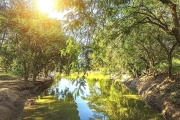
(135,37)
(138,37)
(31,41)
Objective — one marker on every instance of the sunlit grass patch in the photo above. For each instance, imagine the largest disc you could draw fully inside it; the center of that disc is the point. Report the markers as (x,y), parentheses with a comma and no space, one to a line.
(74,76)
(88,75)
(46,99)
(97,76)
(132,96)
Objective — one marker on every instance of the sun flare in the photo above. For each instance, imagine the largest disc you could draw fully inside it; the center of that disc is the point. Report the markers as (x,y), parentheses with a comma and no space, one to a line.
(48,7)
(45,6)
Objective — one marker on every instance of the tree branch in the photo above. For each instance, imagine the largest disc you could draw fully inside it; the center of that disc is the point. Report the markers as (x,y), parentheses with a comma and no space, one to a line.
(173,8)
(162,44)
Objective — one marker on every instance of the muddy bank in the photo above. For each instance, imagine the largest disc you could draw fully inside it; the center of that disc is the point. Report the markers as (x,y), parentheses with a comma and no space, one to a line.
(14,93)
(159,93)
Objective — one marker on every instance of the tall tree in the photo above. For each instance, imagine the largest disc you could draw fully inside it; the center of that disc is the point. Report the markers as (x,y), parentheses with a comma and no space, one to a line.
(37,39)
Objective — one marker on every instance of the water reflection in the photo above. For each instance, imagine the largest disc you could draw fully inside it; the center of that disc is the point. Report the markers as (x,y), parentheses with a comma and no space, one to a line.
(80,84)
(89,99)
(72,88)
(118,103)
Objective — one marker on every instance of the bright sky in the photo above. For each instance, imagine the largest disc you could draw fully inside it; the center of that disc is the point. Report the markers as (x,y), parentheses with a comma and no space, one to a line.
(46,6)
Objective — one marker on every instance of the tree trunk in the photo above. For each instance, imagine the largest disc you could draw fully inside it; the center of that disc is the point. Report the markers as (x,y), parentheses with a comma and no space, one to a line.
(34,78)
(68,70)
(26,70)
(45,72)
(61,69)
(170,66)
(102,64)
(170,71)
(175,18)
(35,74)
(169,55)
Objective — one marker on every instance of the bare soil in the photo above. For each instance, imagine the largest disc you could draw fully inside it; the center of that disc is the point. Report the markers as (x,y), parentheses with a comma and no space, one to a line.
(14,94)
(161,93)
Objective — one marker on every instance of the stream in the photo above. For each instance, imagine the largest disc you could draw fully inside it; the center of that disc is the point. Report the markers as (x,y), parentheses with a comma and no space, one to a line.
(89,99)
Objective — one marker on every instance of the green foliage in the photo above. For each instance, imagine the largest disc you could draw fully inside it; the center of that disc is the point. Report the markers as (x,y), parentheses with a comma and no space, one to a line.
(17,68)
(176,66)
(7,56)
(136,37)
(34,41)
(69,55)
(6,76)
(163,66)
(133,42)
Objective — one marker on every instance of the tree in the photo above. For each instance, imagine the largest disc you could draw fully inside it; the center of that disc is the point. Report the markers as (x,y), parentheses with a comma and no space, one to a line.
(69,56)
(174,17)
(36,39)
(120,19)
(142,12)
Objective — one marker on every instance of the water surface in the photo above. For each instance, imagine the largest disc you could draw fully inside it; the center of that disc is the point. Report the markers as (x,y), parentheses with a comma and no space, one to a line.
(89,99)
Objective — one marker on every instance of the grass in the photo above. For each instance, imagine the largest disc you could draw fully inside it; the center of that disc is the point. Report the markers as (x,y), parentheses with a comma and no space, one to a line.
(6,76)
(97,76)
(88,75)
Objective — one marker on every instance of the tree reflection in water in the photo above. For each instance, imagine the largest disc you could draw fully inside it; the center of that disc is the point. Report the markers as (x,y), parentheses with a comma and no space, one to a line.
(67,94)
(80,84)
(110,101)
(118,103)
(106,101)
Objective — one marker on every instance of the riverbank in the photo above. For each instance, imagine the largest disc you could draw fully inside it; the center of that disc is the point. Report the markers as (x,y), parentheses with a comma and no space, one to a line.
(15,92)
(161,93)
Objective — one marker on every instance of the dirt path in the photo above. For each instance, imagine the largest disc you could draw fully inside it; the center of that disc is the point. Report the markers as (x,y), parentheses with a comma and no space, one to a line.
(14,93)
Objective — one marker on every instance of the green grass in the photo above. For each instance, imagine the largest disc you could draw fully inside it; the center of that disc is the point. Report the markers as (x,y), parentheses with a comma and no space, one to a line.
(97,76)
(88,75)
(6,76)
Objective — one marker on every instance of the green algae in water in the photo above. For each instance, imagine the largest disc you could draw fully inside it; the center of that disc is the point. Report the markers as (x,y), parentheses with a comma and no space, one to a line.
(50,108)
(119,103)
